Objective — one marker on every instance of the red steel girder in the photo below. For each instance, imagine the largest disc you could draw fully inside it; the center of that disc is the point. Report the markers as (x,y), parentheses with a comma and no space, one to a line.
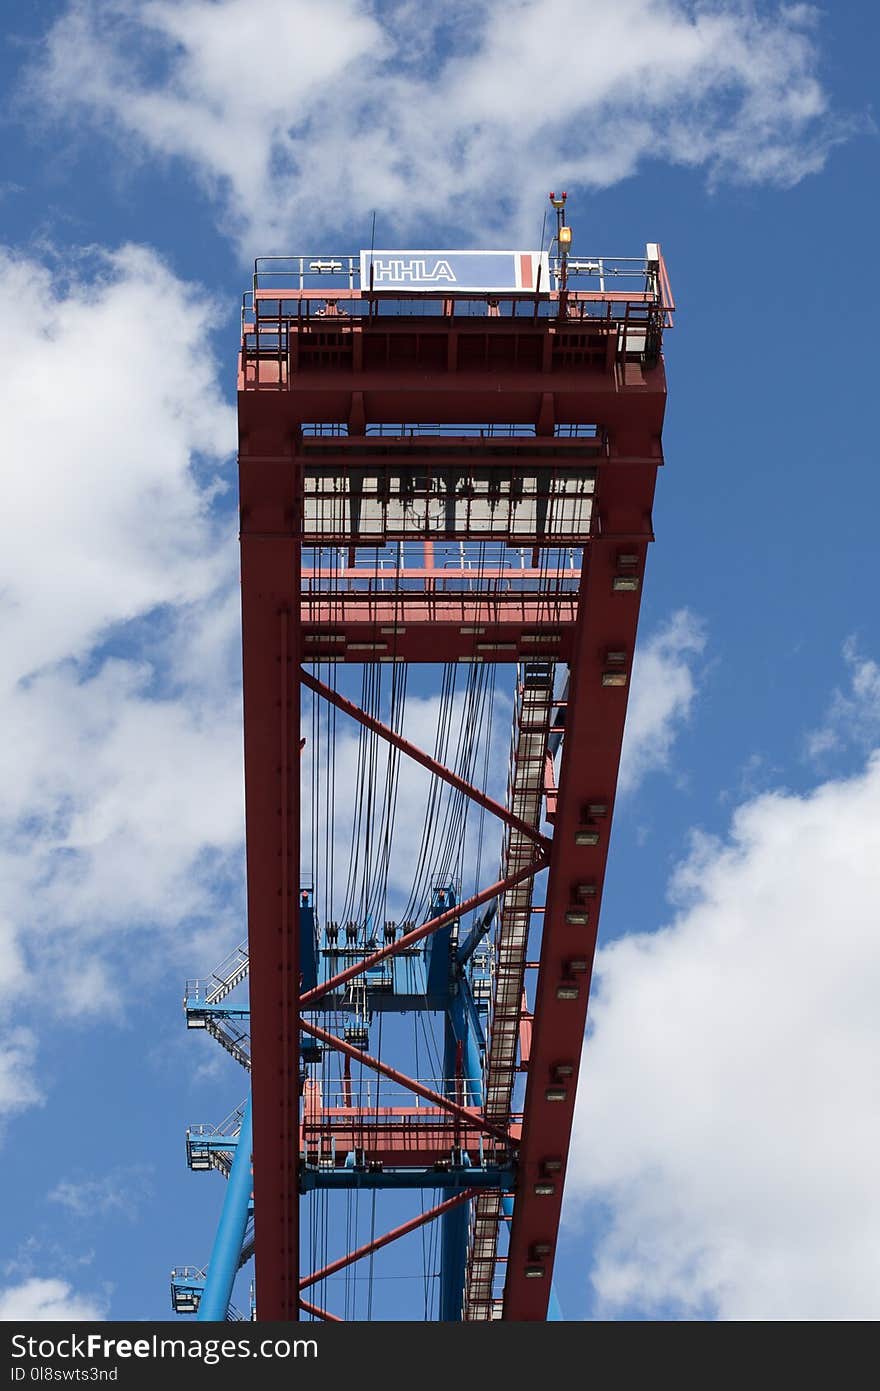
(271,644)
(397,1137)
(436,627)
(464,296)
(387,1237)
(319,1313)
(560,393)
(589,763)
(419,756)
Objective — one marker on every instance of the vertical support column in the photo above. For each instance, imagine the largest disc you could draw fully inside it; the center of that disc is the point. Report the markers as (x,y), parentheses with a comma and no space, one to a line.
(270,482)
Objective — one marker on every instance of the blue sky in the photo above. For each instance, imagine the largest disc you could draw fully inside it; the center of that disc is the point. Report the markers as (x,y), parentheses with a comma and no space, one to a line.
(728,1120)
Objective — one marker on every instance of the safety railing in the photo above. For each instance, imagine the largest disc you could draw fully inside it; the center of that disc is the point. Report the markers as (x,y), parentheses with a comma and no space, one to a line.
(210,990)
(330,287)
(227,1128)
(489,570)
(304,272)
(342,271)
(605,272)
(366,1095)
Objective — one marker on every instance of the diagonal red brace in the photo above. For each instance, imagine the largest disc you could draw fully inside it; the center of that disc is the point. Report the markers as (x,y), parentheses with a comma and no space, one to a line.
(409,938)
(320,1313)
(378,1242)
(473,1119)
(412,751)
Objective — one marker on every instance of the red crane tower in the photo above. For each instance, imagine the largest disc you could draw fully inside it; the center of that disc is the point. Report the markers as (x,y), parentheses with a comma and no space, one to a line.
(445,457)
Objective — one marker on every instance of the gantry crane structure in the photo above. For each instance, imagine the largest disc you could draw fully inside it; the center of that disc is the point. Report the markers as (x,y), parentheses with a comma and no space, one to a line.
(445,458)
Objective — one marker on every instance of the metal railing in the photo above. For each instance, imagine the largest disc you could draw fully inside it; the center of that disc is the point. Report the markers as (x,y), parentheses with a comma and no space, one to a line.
(602,269)
(463,568)
(342,271)
(305,272)
(227,1128)
(210,990)
(364,1094)
(328,287)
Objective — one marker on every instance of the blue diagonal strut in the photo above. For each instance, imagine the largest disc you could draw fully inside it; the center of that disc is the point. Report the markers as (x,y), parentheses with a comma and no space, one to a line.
(228,1242)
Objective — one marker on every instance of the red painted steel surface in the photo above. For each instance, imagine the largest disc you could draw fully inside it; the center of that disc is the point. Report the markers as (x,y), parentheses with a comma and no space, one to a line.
(372,371)
(429,1215)
(438,628)
(317,1312)
(594,724)
(412,1139)
(419,756)
(270,560)
(466,1115)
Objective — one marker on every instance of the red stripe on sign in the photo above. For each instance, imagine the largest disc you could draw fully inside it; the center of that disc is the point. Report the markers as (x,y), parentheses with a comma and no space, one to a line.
(525,273)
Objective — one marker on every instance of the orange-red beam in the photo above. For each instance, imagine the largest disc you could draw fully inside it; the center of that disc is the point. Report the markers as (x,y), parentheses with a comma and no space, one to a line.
(387,1237)
(409,939)
(317,1312)
(466,1114)
(419,756)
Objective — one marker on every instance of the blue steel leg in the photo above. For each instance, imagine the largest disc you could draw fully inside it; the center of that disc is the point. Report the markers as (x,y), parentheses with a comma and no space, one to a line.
(554,1311)
(453,1257)
(226,1253)
(454,1224)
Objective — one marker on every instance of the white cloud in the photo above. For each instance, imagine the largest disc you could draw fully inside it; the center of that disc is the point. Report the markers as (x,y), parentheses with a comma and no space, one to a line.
(42,1300)
(113,1195)
(109,392)
(305,117)
(18,1086)
(729,1116)
(853,716)
(121,802)
(125,788)
(663,692)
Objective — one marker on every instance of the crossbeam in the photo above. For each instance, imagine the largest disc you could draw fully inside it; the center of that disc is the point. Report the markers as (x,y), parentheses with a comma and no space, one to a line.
(317,1312)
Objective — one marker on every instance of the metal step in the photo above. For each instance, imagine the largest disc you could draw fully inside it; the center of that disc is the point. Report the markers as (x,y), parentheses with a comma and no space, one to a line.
(230,973)
(235,1041)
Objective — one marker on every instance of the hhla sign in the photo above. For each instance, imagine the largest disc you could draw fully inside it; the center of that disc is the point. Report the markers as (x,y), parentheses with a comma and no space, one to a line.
(492,272)
(400,271)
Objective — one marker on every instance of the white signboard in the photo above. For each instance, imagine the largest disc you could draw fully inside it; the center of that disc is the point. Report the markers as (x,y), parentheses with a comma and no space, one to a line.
(465,272)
